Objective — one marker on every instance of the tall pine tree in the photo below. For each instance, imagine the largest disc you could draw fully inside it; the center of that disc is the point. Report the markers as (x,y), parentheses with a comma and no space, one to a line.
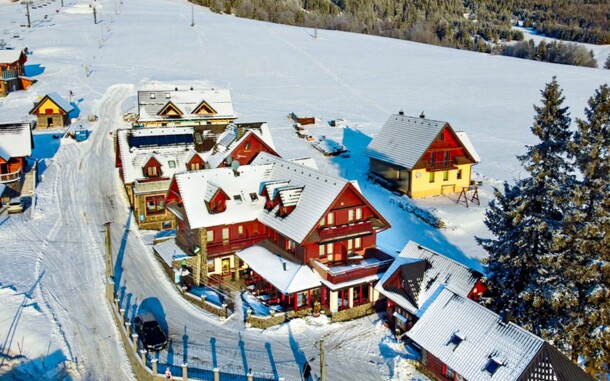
(527,218)
(585,259)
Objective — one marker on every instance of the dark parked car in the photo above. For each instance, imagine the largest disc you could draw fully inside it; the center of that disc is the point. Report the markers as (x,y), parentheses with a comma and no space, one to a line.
(150,332)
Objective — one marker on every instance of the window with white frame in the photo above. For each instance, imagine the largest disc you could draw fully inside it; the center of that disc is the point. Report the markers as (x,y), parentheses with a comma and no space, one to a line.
(358,243)
(210,235)
(330,219)
(358,214)
(350,215)
(330,251)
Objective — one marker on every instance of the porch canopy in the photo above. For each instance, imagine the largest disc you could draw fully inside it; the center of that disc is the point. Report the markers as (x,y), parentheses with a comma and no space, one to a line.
(285,274)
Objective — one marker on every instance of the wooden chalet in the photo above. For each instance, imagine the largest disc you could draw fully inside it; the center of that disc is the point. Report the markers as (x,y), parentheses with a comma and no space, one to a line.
(148,158)
(421,157)
(12,72)
(279,222)
(462,340)
(416,277)
(16,145)
(52,111)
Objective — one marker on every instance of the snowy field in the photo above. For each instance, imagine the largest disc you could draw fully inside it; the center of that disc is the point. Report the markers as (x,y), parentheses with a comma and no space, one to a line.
(54,322)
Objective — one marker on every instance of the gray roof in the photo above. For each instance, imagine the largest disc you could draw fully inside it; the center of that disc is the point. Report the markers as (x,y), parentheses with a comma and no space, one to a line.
(15,140)
(403,140)
(486,337)
(60,101)
(439,272)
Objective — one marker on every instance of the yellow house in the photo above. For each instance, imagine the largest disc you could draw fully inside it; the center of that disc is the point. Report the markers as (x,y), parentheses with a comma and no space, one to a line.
(421,157)
(52,111)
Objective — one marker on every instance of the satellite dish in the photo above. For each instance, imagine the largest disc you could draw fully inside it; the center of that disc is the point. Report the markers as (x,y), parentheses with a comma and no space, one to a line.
(235,165)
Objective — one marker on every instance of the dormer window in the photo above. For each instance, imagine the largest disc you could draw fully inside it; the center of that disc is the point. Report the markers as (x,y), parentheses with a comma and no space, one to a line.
(237,199)
(455,340)
(172,163)
(253,197)
(152,168)
(492,365)
(152,171)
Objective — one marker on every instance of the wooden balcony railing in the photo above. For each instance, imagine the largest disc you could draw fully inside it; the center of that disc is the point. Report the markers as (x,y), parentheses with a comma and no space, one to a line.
(224,247)
(337,273)
(10,177)
(344,231)
(442,165)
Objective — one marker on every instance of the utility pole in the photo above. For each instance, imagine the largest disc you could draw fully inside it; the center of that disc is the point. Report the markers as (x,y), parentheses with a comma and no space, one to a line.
(322,374)
(94,15)
(192,15)
(27,12)
(108,243)
(315,33)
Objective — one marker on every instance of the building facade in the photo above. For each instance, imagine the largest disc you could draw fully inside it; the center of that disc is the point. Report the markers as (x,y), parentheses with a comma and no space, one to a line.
(52,111)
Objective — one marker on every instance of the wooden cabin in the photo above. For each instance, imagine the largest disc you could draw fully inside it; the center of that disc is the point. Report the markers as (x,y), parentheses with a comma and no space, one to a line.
(16,145)
(421,157)
(461,340)
(52,111)
(416,277)
(12,72)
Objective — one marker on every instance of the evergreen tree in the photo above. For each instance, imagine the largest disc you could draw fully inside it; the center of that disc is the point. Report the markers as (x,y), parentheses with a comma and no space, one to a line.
(607,63)
(586,258)
(527,219)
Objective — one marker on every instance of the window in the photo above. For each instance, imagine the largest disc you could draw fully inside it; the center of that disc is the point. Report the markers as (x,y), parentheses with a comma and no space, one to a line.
(441,136)
(225,234)
(459,174)
(455,340)
(195,166)
(166,225)
(424,357)
(492,365)
(350,246)
(330,219)
(321,250)
(358,243)
(172,163)
(449,372)
(350,215)
(253,196)
(330,247)
(152,96)
(210,235)
(237,199)
(155,205)
(445,175)
(431,177)
(255,228)
(151,171)
(323,221)
(240,230)
(358,214)
(211,266)
(247,146)
(167,96)
(397,175)
(290,245)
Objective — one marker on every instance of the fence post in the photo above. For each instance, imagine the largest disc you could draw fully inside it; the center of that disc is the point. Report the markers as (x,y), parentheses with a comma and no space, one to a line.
(202,299)
(122,311)
(134,337)
(216,374)
(224,310)
(143,356)
(250,375)
(128,328)
(185,375)
(116,303)
(154,366)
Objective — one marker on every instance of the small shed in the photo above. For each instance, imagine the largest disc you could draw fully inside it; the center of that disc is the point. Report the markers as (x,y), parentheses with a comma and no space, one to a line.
(52,111)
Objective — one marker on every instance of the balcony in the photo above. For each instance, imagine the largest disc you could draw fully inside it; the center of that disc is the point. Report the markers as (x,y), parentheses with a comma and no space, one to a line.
(373,262)
(345,231)
(10,177)
(226,247)
(442,165)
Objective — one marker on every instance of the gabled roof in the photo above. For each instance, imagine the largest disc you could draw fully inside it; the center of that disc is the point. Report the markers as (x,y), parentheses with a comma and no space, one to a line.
(486,337)
(169,107)
(403,140)
(228,142)
(15,140)
(151,102)
(9,56)
(463,136)
(318,193)
(57,99)
(438,272)
(172,147)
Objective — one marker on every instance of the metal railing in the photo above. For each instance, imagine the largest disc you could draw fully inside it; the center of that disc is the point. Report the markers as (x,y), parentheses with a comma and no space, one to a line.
(10,177)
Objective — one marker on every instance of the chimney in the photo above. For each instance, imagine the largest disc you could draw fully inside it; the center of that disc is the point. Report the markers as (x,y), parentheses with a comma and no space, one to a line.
(239,132)
(422,115)
(401,112)
(191,88)
(176,88)
(284,265)
(504,316)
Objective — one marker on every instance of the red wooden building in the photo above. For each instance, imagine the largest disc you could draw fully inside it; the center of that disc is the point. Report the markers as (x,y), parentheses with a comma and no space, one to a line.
(278,221)
(12,72)
(15,146)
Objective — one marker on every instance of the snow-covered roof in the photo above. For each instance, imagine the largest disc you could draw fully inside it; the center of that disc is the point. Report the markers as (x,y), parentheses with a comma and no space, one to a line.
(172,147)
(463,136)
(318,192)
(481,337)
(282,271)
(15,140)
(60,101)
(404,139)
(228,142)
(169,251)
(425,273)
(151,102)
(9,55)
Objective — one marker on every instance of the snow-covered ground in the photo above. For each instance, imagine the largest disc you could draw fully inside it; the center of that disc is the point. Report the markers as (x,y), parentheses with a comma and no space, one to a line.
(51,257)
